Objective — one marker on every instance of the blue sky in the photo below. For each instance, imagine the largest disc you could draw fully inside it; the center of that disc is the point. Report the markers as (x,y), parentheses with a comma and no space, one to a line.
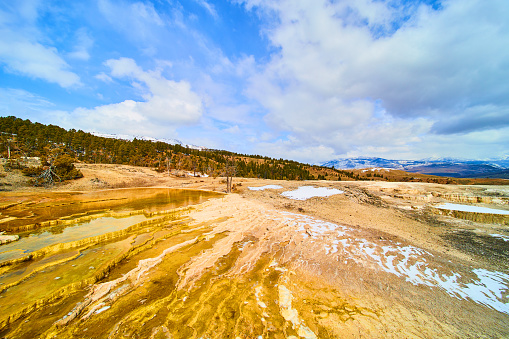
(308,80)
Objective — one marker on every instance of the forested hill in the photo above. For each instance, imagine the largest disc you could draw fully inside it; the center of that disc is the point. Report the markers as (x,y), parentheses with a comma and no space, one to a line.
(23,138)
(20,139)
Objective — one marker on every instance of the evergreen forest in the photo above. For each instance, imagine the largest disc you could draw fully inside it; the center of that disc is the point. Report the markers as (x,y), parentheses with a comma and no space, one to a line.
(21,139)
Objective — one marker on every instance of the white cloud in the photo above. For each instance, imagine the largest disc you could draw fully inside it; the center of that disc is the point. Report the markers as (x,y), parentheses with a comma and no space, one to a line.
(474,145)
(104,77)
(208,7)
(34,60)
(167,104)
(231,113)
(233,130)
(287,150)
(18,101)
(339,64)
(474,118)
(83,43)
(222,87)
(137,20)
(22,53)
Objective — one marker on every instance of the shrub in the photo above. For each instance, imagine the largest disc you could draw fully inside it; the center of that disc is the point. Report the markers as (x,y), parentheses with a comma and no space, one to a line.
(64,168)
(32,171)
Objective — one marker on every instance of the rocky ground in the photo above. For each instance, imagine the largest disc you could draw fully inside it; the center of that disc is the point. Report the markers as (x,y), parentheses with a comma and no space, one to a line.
(376,261)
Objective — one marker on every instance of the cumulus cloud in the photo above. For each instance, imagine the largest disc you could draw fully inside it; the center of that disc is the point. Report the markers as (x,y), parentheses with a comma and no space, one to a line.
(166,104)
(430,70)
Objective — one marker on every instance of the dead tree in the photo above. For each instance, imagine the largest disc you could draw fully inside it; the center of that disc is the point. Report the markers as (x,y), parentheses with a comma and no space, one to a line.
(230,169)
(178,165)
(168,163)
(195,165)
(47,176)
(9,149)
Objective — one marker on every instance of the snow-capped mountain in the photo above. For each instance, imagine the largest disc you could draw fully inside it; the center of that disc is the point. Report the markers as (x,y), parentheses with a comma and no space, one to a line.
(131,138)
(459,168)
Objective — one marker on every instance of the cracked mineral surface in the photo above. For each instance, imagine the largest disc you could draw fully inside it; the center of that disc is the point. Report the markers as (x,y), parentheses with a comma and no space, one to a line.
(375,261)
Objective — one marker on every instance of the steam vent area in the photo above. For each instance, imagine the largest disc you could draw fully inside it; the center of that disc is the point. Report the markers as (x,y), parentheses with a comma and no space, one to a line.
(274,259)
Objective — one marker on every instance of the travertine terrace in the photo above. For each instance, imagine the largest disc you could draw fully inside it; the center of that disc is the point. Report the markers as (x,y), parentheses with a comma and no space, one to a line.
(375,261)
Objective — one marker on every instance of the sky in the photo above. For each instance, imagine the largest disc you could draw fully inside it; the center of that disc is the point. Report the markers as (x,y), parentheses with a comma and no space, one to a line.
(307,80)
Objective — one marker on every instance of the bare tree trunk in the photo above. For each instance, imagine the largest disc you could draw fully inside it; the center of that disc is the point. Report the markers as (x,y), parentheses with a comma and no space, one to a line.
(47,177)
(229,171)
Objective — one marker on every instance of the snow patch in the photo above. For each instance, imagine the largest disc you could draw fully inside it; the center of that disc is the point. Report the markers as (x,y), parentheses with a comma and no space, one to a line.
(503,237)
(132,137)
(196,174)
(468,208)
(306,192)
(266,187)
(373,169)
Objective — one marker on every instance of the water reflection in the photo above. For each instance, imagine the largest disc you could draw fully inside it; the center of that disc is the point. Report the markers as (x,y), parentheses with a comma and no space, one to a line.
(33,209)
(34,242)
(50,207)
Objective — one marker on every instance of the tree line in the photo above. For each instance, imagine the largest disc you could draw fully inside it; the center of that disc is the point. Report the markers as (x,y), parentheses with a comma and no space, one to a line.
(22,138)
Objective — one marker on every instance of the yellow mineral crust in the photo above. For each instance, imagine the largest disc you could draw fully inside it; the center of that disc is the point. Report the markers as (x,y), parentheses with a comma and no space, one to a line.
(292,315)
(240,266)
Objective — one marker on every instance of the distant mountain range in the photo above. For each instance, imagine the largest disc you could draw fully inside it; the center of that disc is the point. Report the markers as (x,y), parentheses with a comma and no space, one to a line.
(449,167)
(131,138)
